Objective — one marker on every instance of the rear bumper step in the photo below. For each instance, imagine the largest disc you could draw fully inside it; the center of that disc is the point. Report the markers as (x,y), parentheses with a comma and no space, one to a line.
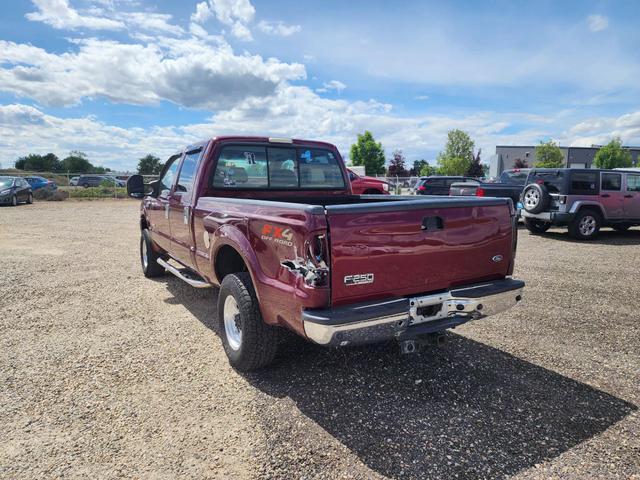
(406,318)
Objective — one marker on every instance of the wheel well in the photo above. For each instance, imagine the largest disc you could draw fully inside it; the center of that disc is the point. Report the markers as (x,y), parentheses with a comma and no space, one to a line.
(595,208)
(143,223)
(371,191)
(227,261)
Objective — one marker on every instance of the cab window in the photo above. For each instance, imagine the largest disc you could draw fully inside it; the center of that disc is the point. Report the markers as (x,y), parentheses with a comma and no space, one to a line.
(169,176)
(188,172)
(612,182)
(633,183)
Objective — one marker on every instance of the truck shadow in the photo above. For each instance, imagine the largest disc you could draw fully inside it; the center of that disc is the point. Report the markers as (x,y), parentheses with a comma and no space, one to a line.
(463,410)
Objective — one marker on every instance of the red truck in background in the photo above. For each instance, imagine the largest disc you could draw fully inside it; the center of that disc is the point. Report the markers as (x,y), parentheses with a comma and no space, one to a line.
(363,185)
(274,223)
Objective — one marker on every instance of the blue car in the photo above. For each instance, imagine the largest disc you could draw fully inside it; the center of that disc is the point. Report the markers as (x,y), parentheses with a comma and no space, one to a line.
(40,182)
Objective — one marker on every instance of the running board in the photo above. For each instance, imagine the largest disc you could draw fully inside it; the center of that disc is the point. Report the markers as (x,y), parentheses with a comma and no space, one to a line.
(191,281)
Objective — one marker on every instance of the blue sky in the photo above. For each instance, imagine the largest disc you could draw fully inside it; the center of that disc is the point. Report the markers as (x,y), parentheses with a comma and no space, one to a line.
(122,78)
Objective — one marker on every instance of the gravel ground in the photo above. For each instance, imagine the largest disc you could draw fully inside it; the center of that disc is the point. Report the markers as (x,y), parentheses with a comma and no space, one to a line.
(107,374)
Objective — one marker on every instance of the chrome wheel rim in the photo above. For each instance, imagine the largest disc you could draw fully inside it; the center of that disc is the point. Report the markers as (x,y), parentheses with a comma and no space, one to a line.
(587,225)
(145,259)
(531,198)
(231,314)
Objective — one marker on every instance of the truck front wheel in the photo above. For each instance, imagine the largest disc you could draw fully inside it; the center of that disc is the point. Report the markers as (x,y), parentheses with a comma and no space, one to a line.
(148,257)
(585,225)
(248,341)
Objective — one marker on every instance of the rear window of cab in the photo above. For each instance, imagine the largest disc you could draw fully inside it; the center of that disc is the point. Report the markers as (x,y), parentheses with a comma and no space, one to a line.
(250,167)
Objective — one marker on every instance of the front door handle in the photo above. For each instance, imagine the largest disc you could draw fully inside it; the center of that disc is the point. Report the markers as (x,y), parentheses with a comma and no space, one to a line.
(605,195)
(628,196)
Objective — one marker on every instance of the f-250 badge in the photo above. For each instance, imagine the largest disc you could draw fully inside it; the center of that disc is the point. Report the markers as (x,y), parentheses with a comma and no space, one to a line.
(359,279)
(280,235)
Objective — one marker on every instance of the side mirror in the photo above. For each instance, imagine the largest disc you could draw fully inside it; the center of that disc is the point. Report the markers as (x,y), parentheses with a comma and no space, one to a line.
(135,186)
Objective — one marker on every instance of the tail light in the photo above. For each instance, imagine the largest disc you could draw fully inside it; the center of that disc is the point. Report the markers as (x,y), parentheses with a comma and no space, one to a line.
(562,199)
(480,192)
(422,188)
(317,258)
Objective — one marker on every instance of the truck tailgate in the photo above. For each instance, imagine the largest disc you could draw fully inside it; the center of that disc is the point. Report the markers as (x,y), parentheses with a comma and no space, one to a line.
(399,248)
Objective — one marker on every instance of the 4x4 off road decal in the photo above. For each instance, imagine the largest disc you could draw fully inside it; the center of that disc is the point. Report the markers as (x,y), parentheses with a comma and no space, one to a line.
(280,235)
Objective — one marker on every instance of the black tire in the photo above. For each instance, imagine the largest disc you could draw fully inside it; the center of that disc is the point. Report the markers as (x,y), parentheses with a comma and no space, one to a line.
(14,201)
(585,225)
(30,198)
(621,227)
(150,266)
(535,226)
(258,342)
(535,198)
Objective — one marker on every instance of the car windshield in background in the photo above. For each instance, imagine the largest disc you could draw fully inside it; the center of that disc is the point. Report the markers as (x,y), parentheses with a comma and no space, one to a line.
(553,180)
(6,182)
(514,178)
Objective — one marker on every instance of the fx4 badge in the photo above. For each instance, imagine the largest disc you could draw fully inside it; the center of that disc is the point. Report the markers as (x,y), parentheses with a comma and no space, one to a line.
(280,235)
(360,279)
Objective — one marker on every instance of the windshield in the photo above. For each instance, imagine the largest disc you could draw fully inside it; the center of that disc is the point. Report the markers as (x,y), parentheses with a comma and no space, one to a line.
(514,177)
(6,182)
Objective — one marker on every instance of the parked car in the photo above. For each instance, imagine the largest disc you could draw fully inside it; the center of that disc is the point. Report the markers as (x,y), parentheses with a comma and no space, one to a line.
(14,190)
(439,185)
(509,185)
(73,181)
(582,200)
(37,182)
(96,180)
(253,215)
(367,185)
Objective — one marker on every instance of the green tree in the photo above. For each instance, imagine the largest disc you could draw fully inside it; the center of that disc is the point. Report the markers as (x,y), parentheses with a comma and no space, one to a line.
(458,153)
(77,162)
(397,165)
(613,155)
(366,151)
(459,145)
(453,165)
(149,165)
(549,155)
(475,169)
(39,163)
(427,170)
(417,166)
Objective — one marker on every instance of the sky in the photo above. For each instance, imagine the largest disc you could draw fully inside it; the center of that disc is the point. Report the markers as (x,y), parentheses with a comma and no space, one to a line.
(119,79)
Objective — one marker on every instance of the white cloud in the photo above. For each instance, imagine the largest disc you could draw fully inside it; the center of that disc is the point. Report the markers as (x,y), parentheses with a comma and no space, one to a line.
(188,72)
(202,13)
(422,97)
(59,14)
(241,32)
(336,85)
(232,11)
(278,28)
(597,23)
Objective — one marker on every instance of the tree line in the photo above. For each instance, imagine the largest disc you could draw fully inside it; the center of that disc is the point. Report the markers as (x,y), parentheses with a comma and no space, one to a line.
(459,158)
(78,162)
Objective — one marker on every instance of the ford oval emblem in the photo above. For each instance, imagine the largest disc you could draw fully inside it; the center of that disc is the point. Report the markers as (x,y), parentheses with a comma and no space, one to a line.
(497,258)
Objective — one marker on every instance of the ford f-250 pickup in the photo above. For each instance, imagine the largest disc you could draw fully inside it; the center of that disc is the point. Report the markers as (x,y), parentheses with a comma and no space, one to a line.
(274,224)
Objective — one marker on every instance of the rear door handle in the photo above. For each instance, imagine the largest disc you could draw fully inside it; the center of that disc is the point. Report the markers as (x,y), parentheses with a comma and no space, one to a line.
(605,195)
(432,223)
(628,196)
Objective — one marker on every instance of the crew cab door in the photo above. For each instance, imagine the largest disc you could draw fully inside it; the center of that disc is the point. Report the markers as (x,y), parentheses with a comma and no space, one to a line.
(180,205)
(158,207)
(611,195)
(632,197)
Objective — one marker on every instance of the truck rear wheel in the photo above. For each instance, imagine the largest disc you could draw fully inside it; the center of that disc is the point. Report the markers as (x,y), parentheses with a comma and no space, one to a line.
(248,342)
(536,226)
(148,257)
(585,225)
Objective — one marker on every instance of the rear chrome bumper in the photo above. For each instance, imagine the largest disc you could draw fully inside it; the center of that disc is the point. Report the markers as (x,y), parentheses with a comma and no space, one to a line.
(405,318)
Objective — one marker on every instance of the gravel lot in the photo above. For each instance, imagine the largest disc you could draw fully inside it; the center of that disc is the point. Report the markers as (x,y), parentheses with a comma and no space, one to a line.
(107,374)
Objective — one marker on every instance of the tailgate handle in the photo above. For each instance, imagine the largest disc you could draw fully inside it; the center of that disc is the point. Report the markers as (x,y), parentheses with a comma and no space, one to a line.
(432,223)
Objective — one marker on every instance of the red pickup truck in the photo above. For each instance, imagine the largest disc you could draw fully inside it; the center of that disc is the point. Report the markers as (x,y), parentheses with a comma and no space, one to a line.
(274,223)
(367,185)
